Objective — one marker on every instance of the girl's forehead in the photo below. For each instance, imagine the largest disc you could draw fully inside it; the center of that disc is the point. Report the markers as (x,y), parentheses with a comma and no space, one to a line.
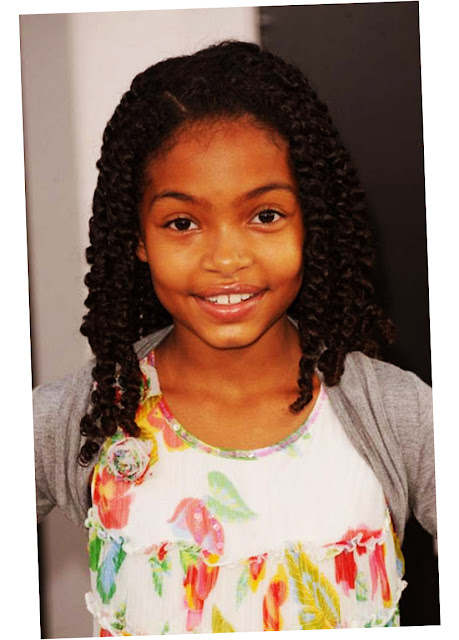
(225,156)
(203,133)
(205,149)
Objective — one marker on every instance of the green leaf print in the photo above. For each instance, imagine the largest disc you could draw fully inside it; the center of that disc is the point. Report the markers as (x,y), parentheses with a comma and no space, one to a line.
(158,579)
(120,616)
(242,585)
(160,566)
(318,599)
(188,554)
(108,570)
(395,620)
(225,502)
(158,569)
(94,549)
(361,588)
(378,621)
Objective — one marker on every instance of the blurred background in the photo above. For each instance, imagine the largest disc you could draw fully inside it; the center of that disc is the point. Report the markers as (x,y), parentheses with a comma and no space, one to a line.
(363,60)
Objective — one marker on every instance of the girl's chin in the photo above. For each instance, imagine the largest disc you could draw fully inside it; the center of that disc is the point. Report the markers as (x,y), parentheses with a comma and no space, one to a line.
(228,336)
(226,340)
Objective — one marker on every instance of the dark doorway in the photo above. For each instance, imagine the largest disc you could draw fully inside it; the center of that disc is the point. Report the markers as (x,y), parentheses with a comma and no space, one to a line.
(363,60)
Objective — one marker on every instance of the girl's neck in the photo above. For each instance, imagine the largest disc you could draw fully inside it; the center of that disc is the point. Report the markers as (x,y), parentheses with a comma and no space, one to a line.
(272,358)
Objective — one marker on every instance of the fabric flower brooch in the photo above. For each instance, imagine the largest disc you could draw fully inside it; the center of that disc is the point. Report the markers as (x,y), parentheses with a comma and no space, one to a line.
(129,459)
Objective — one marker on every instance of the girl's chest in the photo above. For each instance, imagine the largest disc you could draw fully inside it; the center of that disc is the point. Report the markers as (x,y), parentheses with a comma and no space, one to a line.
(251,422)
(311,486)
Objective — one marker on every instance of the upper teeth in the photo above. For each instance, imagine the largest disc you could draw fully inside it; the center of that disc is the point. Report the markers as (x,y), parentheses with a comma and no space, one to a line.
(233,298)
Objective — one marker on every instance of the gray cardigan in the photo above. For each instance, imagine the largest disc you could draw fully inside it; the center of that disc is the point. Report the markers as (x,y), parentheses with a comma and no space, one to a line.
(386,413)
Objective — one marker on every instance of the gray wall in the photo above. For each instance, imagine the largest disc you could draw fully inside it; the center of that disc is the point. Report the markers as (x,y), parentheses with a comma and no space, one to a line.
(75,68)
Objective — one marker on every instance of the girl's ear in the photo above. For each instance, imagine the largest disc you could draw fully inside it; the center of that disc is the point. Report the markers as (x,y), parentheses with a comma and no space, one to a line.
(141,251)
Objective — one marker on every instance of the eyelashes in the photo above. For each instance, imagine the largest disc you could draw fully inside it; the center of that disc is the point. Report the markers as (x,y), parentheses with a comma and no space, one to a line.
(266,217)
(181,224)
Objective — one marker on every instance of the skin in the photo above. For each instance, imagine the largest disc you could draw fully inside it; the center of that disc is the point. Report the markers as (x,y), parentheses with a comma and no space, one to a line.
(220,209)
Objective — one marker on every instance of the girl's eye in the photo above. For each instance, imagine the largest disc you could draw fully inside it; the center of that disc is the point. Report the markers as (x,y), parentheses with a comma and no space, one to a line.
(182,224)
(268,216)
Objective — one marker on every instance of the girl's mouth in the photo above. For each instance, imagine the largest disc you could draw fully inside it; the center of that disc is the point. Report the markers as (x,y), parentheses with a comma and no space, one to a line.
(230,307)
(233,298)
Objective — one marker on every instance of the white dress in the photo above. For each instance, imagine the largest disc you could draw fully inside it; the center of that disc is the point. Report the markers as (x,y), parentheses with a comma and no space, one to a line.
(186,537)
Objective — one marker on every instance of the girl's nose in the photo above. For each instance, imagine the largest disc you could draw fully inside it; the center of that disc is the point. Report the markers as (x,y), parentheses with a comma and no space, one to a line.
(226,253)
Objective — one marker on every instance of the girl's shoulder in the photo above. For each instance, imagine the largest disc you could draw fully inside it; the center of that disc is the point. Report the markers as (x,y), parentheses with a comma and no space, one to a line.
(51,396)
(387,414)
(393,407)
(377,378)
(73,391)
(57,410)
(386,394)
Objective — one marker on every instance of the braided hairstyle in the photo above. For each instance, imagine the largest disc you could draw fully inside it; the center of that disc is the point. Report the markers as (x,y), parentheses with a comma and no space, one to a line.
(334,308)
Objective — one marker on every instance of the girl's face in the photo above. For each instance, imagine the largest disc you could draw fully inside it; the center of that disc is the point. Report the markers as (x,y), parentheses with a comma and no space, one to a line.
(222,232)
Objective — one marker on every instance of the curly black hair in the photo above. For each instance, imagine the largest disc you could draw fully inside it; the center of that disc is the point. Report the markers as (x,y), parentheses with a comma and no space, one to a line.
(335,308)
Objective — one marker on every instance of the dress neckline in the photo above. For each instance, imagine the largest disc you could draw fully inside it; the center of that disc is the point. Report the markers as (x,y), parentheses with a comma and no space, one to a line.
(148,365)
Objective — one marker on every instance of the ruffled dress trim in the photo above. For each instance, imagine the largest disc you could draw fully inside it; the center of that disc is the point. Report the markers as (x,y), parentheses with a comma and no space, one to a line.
(314,551)
(112,618)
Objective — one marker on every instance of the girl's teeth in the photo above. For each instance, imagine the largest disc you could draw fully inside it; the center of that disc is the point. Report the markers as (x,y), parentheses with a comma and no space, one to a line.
(233,298)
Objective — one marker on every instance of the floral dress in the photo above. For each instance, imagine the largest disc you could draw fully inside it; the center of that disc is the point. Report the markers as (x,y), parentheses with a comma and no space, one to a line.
(187,537)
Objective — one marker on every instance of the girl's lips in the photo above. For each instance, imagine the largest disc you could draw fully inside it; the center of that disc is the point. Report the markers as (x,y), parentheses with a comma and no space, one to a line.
(230,312)
(228,289)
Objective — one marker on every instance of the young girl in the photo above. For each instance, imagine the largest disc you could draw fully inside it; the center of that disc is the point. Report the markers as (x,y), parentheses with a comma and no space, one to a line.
(241,461)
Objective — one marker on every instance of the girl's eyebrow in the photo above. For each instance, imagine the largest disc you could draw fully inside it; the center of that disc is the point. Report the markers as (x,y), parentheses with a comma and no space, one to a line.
(249,195)
(271,186)
(178,195)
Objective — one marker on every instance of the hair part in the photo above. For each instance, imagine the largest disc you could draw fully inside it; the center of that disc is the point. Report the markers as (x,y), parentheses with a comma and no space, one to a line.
(335,308)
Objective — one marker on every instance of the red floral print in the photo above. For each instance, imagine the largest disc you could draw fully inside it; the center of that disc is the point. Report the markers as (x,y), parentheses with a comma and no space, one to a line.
(111,500)
(159,423)
(199,581)
(171,439)
(162,551)
(192,519)
(274,599)
(379,574)
(346,570)
(257,570)
(346,567)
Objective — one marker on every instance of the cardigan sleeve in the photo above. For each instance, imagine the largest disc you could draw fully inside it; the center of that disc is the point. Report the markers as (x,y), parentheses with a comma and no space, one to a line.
(408,403)
(418,453)
(59,479)
(58,408)
(387,414)
(44,419)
